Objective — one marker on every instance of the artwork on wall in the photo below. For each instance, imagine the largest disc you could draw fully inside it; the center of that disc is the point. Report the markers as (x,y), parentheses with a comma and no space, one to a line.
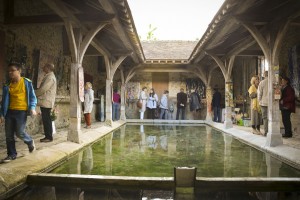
(294,69)
(132,91)
(197,85)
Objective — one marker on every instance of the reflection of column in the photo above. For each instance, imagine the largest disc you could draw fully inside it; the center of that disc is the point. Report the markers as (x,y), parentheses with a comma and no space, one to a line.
(227,154)
(88,159)
(208,142)
(228,104)
(209,111)
(172,142)
(122,136)
(108,152)
(123,116)
(75,164)
(273,166)
(143,138)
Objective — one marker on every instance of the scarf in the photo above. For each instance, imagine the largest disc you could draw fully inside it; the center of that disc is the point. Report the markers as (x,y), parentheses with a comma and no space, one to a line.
(255,104)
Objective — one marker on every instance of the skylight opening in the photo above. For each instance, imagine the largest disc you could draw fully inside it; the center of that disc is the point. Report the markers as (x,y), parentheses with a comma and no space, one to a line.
(185,20)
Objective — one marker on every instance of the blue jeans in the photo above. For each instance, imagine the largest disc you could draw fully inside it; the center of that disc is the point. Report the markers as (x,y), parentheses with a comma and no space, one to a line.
(15,123)
(182,110)
(115,111)
(217,114)
(163,113)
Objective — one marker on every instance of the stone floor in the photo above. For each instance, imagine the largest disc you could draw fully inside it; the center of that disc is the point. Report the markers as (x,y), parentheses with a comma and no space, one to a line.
(14,174)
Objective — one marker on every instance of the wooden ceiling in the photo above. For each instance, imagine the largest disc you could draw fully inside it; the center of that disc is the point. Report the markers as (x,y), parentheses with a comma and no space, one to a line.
(224,37)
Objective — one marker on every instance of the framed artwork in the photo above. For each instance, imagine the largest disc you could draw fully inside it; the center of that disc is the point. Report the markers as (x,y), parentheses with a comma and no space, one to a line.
(132,91)
(294,69)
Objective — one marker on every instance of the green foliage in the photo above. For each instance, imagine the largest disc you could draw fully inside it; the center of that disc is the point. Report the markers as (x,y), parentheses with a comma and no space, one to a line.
(150,34)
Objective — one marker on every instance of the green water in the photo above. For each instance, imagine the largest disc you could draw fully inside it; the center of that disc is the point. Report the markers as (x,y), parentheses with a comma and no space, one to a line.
(147,150)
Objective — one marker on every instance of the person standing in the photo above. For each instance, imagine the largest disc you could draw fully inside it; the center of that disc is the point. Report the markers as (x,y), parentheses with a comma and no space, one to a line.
(263,96)
(152,104)
(287,106)
(255,108)
(88,104)
(195,101)
(18,98)
(143,99)
(116,105)
(181,104)
(46,98)
(164,105)
(216,104)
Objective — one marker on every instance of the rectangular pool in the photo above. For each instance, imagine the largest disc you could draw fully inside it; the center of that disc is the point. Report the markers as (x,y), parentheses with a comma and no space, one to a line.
(154,151)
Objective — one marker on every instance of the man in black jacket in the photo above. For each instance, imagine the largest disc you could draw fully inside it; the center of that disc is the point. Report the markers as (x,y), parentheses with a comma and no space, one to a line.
(216,104)
(181,104)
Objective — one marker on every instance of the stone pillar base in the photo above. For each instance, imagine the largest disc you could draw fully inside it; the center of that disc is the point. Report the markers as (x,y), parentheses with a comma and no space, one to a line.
(74,130)
(274,139)
(108,122)
(228,121)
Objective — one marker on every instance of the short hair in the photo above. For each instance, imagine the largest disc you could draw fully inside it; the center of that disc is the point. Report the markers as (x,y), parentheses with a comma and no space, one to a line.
(115,90)
(50,66)
(253,79)
(144,88)
(89,85)
(287,79)
(181,89)
(15,64)
(266,74)
(166,92)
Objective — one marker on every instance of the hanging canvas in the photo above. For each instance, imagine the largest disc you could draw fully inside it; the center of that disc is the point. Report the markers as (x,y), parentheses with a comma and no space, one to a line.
(132,91)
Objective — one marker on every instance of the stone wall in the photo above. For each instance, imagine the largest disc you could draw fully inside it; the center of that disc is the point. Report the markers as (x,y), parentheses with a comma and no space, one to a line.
(28,42)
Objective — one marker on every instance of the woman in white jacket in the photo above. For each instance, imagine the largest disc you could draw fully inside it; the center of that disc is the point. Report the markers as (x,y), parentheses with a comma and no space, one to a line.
(88,103)
(152,104)
(143,99)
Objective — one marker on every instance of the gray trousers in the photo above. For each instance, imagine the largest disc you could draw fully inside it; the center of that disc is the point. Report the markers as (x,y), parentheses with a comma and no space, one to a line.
(264,113)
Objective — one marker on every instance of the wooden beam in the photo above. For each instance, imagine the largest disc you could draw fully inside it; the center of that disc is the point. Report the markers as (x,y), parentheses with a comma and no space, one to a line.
(54,19)
(109,8)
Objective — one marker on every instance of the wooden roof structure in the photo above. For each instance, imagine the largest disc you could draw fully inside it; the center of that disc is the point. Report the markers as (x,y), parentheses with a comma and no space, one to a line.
(226,35)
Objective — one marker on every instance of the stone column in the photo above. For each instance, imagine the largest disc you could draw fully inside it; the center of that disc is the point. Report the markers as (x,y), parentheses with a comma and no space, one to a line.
(209,110)
(228,103)
(274,137)
(123,114)
(75,106)
(108,107)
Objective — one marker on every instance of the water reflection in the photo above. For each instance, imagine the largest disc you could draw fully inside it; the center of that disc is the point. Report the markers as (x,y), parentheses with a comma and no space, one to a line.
(144,150)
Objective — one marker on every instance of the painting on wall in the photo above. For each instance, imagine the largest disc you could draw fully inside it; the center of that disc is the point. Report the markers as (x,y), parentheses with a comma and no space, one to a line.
(43,59)
(132,91)
(294,69)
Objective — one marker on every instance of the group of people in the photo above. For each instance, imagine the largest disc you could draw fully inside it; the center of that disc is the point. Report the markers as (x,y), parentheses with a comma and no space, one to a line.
(259,95)
(19,99)
(161,109)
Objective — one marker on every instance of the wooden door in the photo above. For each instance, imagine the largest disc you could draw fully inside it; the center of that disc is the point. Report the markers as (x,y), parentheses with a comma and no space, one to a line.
(160,83)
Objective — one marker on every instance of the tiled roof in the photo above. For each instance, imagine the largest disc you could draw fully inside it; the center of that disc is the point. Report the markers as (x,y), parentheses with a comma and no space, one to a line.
(162,49)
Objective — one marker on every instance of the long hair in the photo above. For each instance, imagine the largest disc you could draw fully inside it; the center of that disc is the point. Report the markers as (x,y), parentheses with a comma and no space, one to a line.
(151,94)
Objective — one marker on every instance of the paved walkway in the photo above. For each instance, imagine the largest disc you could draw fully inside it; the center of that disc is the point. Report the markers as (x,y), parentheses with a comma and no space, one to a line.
(13,174)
